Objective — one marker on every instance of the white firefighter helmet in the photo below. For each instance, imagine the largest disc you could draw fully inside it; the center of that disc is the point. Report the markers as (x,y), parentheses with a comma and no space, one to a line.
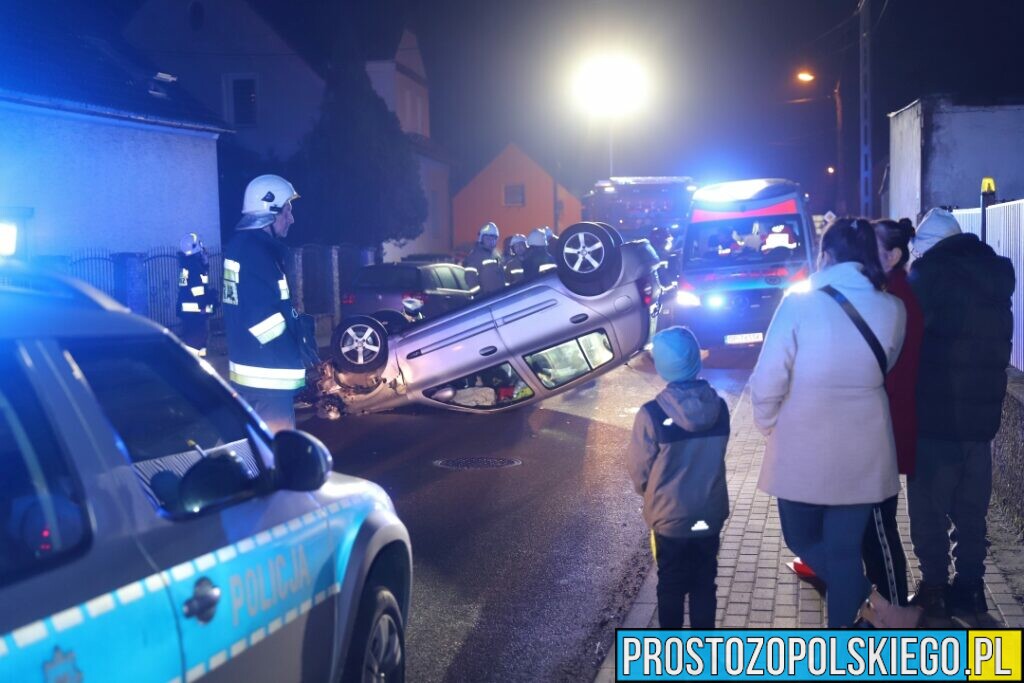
(537,238)
(190,244)
(265,197)
(489,230)
(516,240)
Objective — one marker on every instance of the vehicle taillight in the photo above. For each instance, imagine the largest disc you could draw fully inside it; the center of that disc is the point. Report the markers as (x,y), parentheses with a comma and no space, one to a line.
(646,291)
(348,299)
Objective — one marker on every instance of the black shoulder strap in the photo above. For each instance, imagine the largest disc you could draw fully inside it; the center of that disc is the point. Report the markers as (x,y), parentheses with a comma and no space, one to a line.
(869,336)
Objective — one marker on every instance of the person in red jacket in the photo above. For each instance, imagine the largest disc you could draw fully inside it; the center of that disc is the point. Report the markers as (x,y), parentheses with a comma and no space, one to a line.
(884,559)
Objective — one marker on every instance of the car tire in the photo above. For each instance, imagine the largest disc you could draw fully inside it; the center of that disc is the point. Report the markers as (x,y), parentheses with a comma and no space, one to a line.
(378,640)
(589,258)
(359,345)
(393,321)
(615,233)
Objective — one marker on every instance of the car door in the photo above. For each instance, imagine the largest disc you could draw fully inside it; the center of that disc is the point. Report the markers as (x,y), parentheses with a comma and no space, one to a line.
(541,315)
(452,294)
(251,570)
(79,599)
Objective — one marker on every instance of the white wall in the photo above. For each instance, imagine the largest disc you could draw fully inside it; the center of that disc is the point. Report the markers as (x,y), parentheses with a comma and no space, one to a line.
(97,182)
(969,143)
(234,39)
(905,162)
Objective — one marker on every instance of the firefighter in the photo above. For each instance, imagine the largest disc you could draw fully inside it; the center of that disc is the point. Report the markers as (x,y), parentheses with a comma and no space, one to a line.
(483,263)
(264,341)
(514,261)
(538,259)
(195,297)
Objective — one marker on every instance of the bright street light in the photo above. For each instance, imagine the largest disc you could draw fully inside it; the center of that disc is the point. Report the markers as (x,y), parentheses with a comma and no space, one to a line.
(805,77)
(831,170)
(610,86)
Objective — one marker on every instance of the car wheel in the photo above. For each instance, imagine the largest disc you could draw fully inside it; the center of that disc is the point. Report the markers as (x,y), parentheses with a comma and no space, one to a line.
(359,344)
(377,651)
(615,233)
(589,258)
(393,321)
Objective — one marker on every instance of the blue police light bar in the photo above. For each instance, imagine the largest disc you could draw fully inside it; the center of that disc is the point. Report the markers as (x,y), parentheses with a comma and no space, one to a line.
(736,191)
(8,239)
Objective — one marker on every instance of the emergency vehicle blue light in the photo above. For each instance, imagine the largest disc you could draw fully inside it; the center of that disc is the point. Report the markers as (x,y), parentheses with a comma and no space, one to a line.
(716,301)
(8,239)
(730,192)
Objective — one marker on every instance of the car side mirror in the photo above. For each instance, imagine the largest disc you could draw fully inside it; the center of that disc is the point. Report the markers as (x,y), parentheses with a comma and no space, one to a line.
(302,461)
(444,395)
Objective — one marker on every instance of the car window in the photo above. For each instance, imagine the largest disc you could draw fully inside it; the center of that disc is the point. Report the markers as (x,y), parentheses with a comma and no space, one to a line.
(569,360)
(495,387)
(447,278)
(429,278)
(192,446)
(42,511)
(750,240)
(388,277)
(460,277)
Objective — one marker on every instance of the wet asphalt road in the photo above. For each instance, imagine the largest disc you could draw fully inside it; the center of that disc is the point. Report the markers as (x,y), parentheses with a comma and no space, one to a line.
(519,573)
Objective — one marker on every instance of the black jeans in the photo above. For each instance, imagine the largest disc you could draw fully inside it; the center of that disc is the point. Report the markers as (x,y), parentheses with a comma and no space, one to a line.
(687,567)
(884,559)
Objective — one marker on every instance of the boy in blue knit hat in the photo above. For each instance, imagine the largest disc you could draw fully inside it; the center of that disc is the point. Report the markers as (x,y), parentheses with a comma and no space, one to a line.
(676,459)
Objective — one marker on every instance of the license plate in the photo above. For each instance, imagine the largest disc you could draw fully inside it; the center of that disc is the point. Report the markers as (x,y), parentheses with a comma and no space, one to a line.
(752,338)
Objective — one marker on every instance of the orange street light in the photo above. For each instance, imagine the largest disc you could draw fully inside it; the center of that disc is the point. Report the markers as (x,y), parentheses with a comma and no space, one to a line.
(805,77)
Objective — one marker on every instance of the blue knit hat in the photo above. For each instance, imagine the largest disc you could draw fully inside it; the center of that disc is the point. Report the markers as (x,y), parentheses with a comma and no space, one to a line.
(676,354)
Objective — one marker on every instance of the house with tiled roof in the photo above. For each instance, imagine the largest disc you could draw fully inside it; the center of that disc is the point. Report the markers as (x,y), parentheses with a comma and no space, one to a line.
(98,148)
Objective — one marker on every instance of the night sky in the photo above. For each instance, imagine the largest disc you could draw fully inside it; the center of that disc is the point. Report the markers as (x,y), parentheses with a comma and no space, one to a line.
(724,71)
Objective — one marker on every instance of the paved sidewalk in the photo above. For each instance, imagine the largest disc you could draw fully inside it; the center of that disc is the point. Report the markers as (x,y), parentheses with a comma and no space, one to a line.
(755,589)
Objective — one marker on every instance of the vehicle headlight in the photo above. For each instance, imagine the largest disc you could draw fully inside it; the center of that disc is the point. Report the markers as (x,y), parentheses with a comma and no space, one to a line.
(801,287)
(687,299)
(716,301)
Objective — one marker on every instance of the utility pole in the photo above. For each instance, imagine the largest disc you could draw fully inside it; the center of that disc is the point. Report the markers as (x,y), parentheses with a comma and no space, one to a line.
(866,196)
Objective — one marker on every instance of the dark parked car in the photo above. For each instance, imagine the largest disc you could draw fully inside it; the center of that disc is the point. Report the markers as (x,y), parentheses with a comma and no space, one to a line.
(384,291)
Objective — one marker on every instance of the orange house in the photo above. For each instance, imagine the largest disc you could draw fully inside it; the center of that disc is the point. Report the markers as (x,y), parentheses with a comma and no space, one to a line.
(515,192)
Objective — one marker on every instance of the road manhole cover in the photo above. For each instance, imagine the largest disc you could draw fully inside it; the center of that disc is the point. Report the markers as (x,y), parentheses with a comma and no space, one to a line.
(477,463)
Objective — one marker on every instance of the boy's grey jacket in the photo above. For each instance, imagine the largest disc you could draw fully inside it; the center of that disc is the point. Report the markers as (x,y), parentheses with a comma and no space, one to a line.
(676,458)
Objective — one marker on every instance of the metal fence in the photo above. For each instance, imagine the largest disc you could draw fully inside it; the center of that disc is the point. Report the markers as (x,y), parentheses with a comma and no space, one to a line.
(1005,234)
(969,219)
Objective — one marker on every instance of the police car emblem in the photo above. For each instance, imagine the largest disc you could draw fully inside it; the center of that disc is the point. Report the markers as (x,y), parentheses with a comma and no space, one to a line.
(61,668)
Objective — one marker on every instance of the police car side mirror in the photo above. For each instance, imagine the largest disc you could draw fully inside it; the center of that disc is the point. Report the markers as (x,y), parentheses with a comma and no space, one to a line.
(302,461)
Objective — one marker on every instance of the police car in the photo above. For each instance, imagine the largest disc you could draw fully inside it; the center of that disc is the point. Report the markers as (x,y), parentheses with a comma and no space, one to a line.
(151,529)
(590,314)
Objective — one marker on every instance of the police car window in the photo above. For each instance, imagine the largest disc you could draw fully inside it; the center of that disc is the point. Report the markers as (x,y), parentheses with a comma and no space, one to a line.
(493,387)
(190,443)
(42,512)
(745,240)
(569,360)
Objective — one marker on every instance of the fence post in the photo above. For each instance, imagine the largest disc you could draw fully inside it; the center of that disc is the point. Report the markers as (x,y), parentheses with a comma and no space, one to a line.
(296,278)
(988,197)
(334,295)
(131,285)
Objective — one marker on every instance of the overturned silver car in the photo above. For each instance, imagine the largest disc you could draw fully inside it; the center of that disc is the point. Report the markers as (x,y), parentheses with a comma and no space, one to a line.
(525,344)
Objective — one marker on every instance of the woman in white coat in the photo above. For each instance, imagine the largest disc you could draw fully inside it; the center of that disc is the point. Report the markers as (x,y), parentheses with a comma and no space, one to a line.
(818,394)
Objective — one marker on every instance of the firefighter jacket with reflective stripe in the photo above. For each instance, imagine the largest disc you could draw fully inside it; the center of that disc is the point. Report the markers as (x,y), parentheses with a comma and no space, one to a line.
(484,268)
(195,296)
(261,325)
(514,270)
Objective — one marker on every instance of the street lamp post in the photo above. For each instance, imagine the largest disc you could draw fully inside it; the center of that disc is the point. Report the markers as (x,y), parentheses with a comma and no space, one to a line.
(610,87)
(805,76)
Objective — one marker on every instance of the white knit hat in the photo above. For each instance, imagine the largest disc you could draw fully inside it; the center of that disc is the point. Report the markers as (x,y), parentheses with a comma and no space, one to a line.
(937,225)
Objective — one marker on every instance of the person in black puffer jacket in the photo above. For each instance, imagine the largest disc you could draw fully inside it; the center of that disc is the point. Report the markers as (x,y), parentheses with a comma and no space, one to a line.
(965,292)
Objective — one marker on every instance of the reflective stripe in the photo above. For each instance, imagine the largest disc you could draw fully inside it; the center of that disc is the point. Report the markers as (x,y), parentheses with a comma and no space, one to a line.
(470,269)
(516,271)
(199,353)
(487,262)
(266,378)
(198,290)
(282,284)
(546,266)
(190,307)
(209,308)
(204,278)
(269,329)
(183,278)
(231,270)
